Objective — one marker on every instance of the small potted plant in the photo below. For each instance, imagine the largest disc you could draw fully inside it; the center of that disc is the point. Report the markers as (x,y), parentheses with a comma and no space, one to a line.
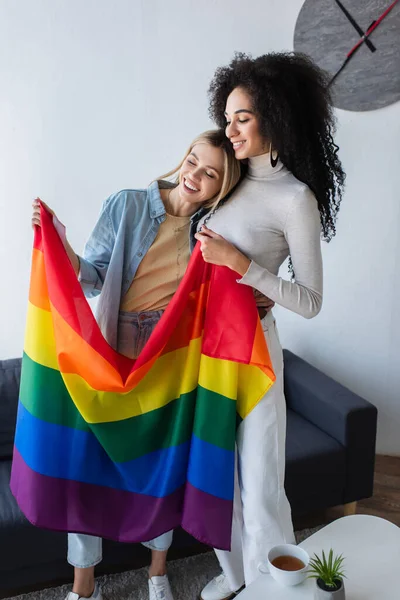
(329,576)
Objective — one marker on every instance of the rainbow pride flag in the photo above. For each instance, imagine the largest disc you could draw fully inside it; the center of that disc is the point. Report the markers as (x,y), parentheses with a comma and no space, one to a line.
(129,449)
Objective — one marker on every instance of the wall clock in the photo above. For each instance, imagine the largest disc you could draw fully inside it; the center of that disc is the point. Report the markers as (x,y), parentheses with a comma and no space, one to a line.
(358,44)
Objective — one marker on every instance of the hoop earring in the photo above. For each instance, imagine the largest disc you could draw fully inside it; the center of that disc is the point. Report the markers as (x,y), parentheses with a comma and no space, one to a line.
(274,161)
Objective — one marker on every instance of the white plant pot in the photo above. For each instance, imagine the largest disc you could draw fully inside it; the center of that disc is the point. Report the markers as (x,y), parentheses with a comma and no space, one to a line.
(321,594)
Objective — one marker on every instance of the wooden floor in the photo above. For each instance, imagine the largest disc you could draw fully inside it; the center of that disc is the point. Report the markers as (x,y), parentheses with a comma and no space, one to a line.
(384,503)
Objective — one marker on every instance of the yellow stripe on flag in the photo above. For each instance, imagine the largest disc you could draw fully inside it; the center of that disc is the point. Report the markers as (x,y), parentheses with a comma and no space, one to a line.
(219,376)
(253,384)
(172,375)
(39,343)
(244,383)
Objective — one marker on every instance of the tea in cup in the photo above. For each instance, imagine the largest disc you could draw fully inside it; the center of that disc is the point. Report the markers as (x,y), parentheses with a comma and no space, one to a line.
(287,564)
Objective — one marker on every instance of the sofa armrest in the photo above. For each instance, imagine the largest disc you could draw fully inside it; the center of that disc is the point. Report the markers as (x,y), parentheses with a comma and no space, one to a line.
(340,413)
(10,372)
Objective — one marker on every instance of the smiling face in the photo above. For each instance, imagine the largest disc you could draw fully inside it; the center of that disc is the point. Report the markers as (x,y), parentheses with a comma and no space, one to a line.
(242,127)
(201,174)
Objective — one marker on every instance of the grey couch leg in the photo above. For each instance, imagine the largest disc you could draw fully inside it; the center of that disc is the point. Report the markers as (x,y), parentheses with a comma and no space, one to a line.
(349,509)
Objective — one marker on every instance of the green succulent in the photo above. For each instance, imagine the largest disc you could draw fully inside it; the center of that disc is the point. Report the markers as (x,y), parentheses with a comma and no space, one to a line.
(328,570)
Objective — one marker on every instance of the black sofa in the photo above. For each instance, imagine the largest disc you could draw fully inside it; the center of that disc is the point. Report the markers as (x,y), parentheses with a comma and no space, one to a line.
(329,461)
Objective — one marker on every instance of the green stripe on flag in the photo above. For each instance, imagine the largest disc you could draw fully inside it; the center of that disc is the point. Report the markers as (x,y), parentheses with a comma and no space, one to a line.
(210,416)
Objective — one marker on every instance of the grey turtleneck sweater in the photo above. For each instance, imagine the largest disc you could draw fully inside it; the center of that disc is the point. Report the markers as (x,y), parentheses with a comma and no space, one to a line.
(271,215)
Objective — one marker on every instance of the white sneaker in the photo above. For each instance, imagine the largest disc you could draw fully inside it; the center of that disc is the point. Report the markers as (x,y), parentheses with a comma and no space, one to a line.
(95,596)
(218,589)
(159,588)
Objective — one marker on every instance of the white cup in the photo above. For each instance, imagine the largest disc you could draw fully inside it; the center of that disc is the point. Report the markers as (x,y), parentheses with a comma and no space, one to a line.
(286,577)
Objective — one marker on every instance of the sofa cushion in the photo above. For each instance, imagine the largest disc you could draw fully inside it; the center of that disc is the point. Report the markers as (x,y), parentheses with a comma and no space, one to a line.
(10,372)
(315,466)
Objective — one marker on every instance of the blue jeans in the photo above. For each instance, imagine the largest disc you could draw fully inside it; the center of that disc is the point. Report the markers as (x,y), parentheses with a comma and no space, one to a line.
(134,329)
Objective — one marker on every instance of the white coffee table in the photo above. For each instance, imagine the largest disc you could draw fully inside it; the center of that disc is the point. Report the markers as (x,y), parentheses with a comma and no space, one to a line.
(371,547)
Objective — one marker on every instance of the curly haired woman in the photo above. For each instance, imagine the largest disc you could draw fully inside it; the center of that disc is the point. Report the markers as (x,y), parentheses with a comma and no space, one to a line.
(277,113)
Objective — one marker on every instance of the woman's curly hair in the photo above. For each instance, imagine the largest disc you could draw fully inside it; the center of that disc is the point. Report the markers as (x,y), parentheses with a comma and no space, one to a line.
(292,101)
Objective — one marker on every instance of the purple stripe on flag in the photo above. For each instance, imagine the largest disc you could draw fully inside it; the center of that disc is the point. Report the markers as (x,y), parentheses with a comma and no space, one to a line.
(207,518)
(62,505)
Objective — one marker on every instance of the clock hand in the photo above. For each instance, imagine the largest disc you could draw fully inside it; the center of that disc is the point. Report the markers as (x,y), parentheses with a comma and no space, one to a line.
(355,24)
(373,27)
(363,39)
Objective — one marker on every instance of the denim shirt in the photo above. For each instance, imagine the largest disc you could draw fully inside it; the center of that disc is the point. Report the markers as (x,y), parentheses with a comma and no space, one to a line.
(127,226)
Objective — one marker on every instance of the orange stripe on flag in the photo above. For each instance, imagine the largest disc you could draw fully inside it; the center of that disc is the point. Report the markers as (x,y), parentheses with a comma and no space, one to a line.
(260,352)
(76,356)
(38,292)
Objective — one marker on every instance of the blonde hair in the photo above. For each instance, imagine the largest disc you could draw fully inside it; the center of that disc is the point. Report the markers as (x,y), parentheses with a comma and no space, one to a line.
(232,171)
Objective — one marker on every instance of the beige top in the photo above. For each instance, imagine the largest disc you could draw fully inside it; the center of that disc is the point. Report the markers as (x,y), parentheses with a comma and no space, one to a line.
(161,269)
(269,216)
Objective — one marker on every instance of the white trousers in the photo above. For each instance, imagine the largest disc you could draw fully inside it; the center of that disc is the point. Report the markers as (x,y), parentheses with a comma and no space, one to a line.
(261,511)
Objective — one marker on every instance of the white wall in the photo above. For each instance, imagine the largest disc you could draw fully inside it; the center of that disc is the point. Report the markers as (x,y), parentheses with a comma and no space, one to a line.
(100,95)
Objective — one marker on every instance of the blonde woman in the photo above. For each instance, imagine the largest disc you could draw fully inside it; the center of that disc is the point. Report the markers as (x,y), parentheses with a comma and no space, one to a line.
(135,259)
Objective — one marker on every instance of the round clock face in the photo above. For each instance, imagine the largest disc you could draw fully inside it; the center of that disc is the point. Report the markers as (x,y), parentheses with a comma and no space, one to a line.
(328,31)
